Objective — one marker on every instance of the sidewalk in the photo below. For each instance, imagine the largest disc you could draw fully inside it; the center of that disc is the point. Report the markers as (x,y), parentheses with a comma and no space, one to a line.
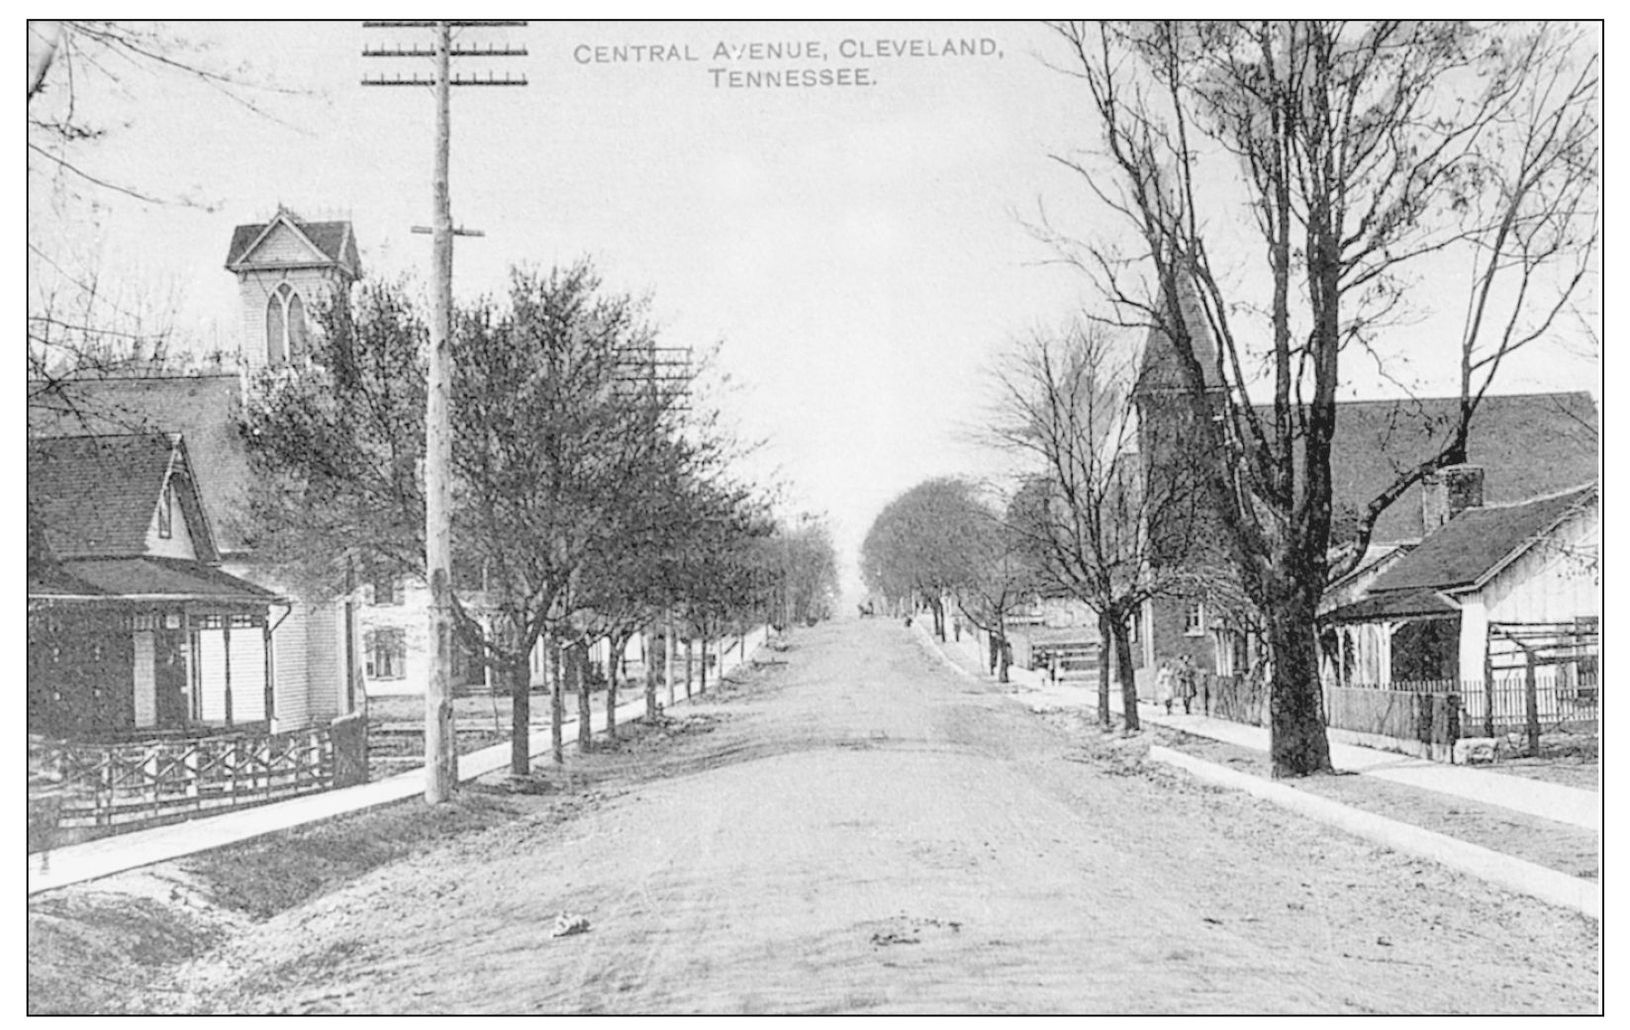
(115,854)
(1571,805)
(1579,807)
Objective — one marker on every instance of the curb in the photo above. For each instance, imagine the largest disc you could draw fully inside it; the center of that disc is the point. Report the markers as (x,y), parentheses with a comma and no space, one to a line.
(1536,881)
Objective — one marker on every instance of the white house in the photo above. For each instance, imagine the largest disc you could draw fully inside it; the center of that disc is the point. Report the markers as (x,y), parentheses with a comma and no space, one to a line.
(1441,610)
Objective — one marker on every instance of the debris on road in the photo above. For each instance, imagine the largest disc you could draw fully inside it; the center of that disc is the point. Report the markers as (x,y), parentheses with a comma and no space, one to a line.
(566,925)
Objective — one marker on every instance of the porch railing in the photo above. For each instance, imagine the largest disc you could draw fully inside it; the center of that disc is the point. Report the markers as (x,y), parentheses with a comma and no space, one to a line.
(128,785)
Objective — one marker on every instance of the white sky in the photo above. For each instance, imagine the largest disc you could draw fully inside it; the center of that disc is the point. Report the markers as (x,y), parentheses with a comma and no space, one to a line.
(858,251)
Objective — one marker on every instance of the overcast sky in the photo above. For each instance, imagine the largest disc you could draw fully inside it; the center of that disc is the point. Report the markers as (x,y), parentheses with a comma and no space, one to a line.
(858,250)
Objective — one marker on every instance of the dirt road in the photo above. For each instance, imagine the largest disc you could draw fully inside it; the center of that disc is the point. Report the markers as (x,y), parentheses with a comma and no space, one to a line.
(864,830)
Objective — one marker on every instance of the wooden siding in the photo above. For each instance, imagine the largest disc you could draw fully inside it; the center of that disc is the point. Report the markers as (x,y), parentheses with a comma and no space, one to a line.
(179,543)
(290,669)
(325,680)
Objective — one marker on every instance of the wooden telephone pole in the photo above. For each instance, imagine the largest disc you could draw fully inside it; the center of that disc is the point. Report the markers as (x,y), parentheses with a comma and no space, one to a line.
(440,742)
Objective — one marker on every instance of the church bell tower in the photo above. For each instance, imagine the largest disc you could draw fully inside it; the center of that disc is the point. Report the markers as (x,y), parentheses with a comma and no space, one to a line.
(286,267)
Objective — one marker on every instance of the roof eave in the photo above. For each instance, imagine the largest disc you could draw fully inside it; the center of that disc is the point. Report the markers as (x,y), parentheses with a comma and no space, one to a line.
(1527,545)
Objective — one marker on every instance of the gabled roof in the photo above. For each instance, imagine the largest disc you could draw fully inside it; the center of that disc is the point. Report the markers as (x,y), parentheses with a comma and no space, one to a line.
(203,409)
(1478,541)
(334,240)
(94,496)
(1529,445)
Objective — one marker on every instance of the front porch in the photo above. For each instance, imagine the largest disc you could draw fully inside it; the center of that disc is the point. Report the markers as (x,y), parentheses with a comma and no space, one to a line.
(115,671)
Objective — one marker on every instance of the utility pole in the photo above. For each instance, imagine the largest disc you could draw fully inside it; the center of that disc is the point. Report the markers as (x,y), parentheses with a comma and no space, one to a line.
(440,740)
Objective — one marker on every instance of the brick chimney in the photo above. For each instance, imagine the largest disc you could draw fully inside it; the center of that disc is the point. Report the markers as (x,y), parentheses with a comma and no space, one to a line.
(1448,492)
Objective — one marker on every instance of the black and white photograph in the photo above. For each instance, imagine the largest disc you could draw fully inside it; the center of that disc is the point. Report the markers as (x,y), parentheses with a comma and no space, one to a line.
(786,517)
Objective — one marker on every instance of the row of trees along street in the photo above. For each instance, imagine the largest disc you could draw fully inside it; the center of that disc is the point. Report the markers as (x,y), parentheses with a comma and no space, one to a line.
(1275,199)
(590,502)
(593,498)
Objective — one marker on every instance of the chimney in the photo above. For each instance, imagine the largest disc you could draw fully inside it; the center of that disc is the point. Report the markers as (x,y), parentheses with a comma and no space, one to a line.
(1448,492)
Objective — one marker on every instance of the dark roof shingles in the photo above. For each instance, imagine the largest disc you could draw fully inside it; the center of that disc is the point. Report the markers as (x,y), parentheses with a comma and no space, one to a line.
(332,238)
(163,577)
(95,495)
(203,409)
(1473,542)
(1528,445)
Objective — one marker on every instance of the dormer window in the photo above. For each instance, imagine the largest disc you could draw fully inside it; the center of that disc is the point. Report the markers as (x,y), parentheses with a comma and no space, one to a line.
(166,513)
(286,332)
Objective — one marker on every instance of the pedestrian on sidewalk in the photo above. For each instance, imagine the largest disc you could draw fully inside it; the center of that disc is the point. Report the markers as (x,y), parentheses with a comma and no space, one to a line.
(1185,683)
(1163,685)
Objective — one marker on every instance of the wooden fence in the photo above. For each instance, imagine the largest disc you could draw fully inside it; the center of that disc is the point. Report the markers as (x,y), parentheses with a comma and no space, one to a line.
(133,785)
(1489,708)
(1235,698)
(1428,716)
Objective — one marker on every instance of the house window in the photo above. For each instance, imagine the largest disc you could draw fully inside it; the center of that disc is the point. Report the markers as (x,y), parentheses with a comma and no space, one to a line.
(1194,619)
(166,513)
(387,654)
(387,589)
(286,333)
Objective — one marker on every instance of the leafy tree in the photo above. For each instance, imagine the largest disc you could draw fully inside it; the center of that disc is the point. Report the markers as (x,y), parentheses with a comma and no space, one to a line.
(548,457)
(918,546)
(801,571)
(1364,152)
(1001,577)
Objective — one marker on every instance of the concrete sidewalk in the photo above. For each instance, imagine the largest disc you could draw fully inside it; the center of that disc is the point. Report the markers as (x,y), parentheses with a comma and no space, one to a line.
(115,854)
(1570,805)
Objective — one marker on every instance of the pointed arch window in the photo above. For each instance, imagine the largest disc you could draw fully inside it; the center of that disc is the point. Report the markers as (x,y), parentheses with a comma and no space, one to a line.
(287,335)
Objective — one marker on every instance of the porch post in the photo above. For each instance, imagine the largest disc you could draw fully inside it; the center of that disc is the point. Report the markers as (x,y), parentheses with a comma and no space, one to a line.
(195,702)
(226,649)
(266,655)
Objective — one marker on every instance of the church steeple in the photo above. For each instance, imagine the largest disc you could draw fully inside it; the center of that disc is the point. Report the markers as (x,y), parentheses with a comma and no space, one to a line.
(284,267)
(1160,370)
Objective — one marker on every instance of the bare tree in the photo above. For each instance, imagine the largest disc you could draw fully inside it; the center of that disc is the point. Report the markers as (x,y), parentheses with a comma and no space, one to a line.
(1362,152)
(1104,522)
(83,321)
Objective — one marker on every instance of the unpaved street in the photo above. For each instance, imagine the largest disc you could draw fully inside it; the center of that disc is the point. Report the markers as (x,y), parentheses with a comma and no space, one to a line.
(862,829)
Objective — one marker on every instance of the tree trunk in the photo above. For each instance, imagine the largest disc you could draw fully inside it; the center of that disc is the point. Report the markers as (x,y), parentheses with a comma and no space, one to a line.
(1299,746)
(1004,658)
(1123,669)
(703,688)
(557,703)
(938,608)
(518,675)
(1105,646)
(688,645)
(651,680)
(611,689)
(585,710)
(668,659)
(991,649)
